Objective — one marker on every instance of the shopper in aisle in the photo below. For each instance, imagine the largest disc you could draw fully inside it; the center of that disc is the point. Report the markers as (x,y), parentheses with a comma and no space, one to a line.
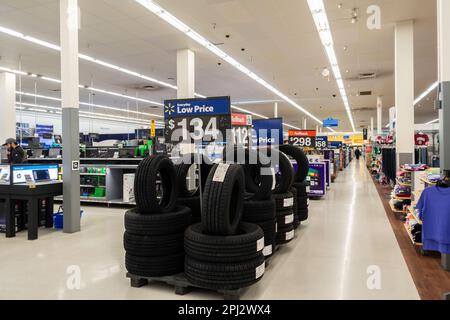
(357,153)
(16,154)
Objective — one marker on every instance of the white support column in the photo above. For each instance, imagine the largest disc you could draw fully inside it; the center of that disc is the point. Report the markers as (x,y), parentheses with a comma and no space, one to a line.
(305,123)
(275,110)
(379,115)
(7,106)
(443,8)
(317,129)
(69,25)
(186,74)
(404,90)
(372,130)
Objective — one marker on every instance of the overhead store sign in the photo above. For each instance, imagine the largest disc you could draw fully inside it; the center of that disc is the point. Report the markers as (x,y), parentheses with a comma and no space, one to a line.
(330,122)
(197,120)
(268,131)
(302,138)
(321,142)
(241,120)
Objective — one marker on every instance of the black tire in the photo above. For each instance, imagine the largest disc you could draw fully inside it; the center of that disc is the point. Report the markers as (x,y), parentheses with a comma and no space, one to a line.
(225,276)
(192,203)
(158,224)
(302,203)
(257,166)
(285,218)
(155,266)
(302,188)
(269,249)
(285,235)
(182,169)
(257,211)
(300,157)
(297,222)
(145,186)
(247,244)
(303,214)
(223,202)
(285,177)
(269,229)
(153,246)
(284,201)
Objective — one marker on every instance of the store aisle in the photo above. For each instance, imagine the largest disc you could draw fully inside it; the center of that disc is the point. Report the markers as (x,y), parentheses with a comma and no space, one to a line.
(348,232)
(347,236)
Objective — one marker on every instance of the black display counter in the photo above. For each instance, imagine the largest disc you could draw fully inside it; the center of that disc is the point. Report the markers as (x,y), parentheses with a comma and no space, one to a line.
(32,194)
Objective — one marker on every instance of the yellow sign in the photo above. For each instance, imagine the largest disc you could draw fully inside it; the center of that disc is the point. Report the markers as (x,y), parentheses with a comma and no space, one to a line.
(153,129)
(350,140)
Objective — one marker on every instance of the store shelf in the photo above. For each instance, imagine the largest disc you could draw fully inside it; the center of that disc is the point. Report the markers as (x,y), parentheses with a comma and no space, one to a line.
(410,236)
(426,181)
(401,198)
(403,184)
(394,209)
(92,174)
(414,215)
(90,186)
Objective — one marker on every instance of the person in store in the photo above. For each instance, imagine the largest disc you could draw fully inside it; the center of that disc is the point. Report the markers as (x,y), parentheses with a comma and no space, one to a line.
(357,153)
(16,154)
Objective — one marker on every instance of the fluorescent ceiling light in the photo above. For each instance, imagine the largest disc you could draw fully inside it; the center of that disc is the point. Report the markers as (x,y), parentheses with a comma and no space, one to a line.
(433,121)
(49,45)
(323,27)
(90,105)
(103,116)
(178,24)
(256,102)
(426,92)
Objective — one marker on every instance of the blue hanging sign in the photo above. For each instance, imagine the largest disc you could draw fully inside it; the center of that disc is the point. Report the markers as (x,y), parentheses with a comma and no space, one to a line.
(330,122)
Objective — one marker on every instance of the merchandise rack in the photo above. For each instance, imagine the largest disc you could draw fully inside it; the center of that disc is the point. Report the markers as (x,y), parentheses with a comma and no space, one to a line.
(414,215)
(408,231)
(113,175)
(394,209)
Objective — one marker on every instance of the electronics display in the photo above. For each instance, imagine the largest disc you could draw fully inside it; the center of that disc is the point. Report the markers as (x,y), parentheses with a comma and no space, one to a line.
(126,153)
(5,175)
(37,153)
(35,173)
(3,154)
(54,153)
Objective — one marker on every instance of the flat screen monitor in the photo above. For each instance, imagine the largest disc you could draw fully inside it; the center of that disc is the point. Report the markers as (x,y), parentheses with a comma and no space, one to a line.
(41,175)
(54,153)
(126,153)
(37,153)
(34,142)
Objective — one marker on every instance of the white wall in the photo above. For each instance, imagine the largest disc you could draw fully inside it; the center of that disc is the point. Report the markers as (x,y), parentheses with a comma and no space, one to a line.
(86,125)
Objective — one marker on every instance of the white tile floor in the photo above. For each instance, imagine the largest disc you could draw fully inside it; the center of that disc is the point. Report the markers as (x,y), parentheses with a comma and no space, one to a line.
(347,232)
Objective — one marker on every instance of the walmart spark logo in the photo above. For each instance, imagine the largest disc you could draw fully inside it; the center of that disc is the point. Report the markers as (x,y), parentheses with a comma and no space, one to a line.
(169,109)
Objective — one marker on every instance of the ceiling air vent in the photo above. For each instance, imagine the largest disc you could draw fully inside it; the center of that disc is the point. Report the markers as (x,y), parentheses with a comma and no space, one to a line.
(367,75)
(365,93)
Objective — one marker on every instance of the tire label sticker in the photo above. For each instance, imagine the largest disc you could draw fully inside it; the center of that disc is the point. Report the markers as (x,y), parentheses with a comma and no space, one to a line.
(289,219)
(307,202)
(290,235)
(276,227)
(289,202)
(260,270)
(267,251)
(221,172)
(260,244)
(308,189)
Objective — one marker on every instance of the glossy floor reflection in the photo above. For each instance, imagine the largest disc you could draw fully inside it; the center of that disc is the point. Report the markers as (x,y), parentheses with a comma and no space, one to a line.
(347,236)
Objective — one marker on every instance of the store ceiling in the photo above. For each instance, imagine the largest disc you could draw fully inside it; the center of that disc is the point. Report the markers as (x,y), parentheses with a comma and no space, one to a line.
(279,37)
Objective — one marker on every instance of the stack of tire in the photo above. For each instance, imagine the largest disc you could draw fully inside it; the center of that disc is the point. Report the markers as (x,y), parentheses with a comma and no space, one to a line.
(223,253)
(154,236)
(284,199)
(186,196)
(300,184)
(259,205)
